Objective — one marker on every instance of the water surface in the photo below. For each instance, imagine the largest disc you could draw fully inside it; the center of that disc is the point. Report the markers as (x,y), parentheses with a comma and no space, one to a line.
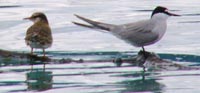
(182,37)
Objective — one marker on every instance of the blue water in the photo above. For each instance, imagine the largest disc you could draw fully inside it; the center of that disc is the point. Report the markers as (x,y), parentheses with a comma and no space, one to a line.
(182,37)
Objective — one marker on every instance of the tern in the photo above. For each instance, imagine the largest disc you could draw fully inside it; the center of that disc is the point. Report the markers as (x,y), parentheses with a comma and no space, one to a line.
(39,34)
(139,34)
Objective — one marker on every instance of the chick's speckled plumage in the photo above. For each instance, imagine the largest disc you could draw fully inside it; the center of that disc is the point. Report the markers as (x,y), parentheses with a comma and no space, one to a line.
(39,34)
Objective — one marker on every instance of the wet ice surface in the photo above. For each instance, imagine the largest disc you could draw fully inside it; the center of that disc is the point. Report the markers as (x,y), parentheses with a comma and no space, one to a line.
(182,37)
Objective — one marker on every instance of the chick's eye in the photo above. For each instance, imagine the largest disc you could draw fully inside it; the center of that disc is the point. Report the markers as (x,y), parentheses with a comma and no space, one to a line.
(34,16)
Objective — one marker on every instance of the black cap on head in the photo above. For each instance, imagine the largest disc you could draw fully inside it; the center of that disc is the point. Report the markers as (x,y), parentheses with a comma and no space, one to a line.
(161,9)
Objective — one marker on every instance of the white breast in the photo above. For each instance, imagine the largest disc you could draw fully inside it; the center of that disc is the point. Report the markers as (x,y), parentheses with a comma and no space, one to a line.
(160,21)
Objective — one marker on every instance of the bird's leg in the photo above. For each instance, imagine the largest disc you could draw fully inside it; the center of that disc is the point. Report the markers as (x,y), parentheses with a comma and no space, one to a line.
(144,53)
(31,59)
(145,57)
(43,52)
(43,57)
(31,51)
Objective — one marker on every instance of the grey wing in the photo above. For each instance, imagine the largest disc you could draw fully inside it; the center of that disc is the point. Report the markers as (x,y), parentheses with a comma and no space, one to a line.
(141,26)
(139,33)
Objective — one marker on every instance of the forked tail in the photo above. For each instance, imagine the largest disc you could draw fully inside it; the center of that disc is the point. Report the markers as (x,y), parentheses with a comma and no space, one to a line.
(94,24)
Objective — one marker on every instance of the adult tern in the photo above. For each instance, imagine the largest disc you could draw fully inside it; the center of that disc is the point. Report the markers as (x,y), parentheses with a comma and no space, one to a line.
(138,34)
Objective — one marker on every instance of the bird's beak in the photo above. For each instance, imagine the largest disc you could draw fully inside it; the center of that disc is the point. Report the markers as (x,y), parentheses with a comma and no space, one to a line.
(171,14)
(27,18)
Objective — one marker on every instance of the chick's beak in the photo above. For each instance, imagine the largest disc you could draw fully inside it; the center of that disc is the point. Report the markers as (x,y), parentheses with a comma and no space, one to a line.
(27,18)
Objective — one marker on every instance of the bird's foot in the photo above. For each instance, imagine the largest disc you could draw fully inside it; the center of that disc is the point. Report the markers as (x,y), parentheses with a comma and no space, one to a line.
(140,59)
(144,53)
(38,58)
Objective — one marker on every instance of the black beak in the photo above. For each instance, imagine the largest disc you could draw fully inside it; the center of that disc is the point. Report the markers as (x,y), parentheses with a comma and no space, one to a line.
(172,14)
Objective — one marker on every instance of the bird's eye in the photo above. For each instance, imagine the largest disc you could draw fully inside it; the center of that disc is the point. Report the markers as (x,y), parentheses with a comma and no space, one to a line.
(34,16)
